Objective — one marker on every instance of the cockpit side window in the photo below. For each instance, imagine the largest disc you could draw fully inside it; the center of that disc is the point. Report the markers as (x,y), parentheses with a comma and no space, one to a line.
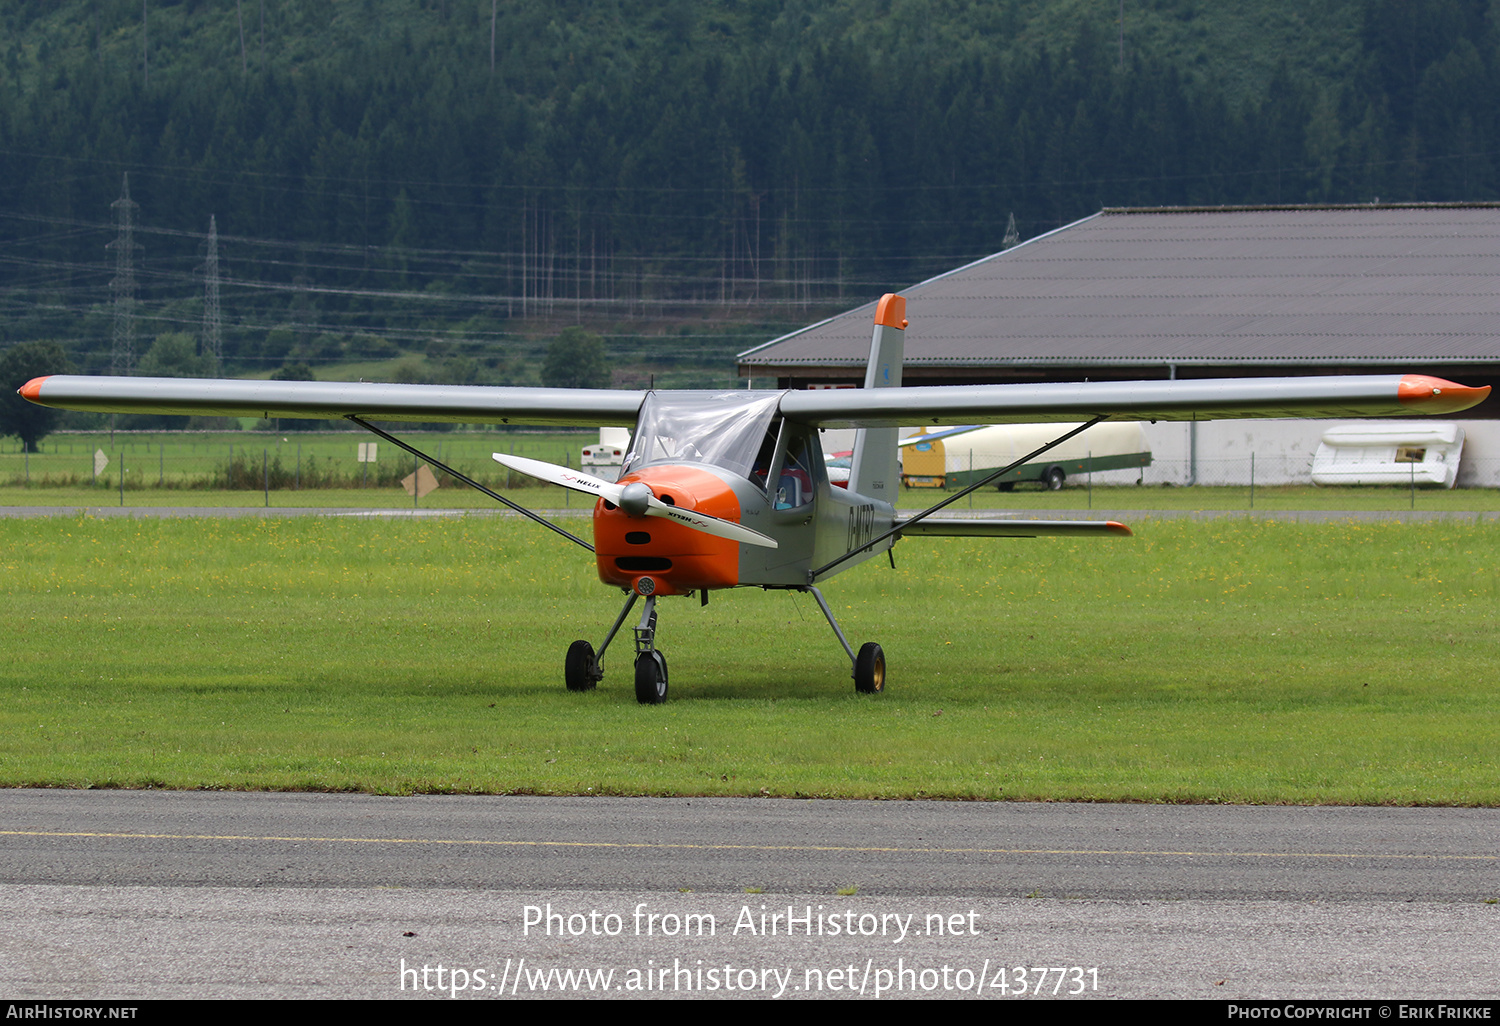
(795,482)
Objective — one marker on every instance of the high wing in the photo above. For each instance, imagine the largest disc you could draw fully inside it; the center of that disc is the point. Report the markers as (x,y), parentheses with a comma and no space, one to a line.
(212,397)
(1208,399)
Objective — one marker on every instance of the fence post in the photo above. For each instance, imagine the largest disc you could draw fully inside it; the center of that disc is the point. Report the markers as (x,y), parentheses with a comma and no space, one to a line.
(122,475)
(265,476)
(416,485)
(1413,466)
(1091,479)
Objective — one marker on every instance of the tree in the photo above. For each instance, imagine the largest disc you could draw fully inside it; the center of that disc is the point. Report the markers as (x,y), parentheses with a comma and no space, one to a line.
(18,365)
(299,371)
(173,355)
(575,359)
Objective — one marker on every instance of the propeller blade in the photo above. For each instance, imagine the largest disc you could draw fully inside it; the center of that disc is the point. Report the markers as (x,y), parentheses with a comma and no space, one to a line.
(709,525)
(553,474)
(580,482)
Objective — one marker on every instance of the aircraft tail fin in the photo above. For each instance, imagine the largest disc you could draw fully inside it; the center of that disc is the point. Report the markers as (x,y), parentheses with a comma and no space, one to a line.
(874,469)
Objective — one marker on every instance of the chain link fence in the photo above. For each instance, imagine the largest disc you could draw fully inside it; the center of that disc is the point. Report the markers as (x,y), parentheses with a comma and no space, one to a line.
(191,461)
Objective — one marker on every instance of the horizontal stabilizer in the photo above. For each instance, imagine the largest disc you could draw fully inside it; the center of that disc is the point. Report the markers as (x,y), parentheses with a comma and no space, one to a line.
(1010,528)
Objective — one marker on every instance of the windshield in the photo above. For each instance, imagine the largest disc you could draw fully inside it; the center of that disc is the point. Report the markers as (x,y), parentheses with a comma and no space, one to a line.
(724,429)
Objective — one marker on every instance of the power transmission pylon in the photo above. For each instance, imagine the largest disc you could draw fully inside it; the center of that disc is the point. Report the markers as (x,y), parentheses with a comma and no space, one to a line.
(213,337)
(1012,237)
(122,286)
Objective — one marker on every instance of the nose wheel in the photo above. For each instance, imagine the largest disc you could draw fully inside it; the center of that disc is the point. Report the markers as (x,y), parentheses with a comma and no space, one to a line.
(651,678)
(650,664)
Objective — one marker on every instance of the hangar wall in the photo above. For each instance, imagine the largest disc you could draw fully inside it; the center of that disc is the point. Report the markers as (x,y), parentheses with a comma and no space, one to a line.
(1283,451)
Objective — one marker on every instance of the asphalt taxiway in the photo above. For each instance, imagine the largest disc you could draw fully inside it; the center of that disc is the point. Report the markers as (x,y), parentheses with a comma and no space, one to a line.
(158,894)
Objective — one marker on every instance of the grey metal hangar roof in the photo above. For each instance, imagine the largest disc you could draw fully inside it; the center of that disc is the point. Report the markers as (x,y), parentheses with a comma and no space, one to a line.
(1196,292)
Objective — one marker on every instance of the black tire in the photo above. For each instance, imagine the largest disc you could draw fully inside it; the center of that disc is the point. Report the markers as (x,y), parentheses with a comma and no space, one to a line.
(1005,486)
(651,678)
(578,669)
(869,670)
(1055,478)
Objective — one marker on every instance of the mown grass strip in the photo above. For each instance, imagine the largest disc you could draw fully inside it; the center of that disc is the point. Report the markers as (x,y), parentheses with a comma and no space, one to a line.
(1225,661)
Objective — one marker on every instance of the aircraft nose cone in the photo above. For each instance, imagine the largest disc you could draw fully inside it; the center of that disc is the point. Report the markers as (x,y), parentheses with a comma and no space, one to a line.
(635,499)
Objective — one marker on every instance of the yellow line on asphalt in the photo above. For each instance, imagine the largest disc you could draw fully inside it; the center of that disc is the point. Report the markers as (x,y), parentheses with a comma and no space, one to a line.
(742,847)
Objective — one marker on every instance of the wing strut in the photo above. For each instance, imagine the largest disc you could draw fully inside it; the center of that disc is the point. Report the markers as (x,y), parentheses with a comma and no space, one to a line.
(813,575)
(468,480)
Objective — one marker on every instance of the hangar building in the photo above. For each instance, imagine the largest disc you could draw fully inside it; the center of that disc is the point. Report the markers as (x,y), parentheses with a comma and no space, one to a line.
(1130,294)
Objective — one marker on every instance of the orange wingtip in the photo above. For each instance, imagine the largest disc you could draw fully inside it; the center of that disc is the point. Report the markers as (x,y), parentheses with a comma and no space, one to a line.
(32,390)
(1425,394)
(1115,527)
(891,311)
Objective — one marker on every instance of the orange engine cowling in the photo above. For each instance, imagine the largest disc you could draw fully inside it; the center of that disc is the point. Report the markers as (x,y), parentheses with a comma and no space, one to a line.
(676,558)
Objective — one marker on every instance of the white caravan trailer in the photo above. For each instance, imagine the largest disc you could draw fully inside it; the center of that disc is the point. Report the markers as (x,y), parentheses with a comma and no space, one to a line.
(1389,453)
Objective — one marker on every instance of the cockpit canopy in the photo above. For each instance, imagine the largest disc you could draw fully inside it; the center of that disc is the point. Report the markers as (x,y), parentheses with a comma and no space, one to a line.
(722,429)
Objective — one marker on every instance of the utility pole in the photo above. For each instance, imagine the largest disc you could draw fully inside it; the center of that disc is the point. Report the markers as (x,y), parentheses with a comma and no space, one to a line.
(239,15)
(213,338)
(122,286)
(145,46)
(493,4)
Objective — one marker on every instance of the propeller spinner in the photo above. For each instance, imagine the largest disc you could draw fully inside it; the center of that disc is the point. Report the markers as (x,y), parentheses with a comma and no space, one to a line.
(635,498)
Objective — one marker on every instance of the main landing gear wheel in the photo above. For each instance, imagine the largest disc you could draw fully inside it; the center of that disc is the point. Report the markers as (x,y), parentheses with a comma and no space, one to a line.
(1055,478)
(578,670)
(869,670)
(651,678)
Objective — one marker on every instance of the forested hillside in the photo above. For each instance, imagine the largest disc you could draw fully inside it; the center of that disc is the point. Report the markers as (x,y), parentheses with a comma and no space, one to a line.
(382,173)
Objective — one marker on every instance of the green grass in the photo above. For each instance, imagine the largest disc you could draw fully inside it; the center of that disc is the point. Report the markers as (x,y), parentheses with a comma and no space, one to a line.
(193,465)
(1231,661)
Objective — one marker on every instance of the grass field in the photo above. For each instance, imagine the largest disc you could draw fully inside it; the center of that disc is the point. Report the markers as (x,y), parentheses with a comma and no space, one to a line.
(234,461)
(1227,661)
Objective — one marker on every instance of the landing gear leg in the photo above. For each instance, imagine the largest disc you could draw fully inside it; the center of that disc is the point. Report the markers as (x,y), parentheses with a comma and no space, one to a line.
(584,667)
(868,666)
(650,664)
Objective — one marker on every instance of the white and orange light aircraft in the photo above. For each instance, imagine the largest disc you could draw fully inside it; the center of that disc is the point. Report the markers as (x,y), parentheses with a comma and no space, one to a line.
(729,489)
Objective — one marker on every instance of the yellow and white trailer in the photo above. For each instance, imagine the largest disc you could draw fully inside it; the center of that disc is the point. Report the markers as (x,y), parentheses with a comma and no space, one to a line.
(955,457)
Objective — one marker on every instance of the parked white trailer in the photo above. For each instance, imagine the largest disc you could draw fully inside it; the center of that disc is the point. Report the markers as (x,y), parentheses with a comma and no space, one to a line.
(1389,453)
